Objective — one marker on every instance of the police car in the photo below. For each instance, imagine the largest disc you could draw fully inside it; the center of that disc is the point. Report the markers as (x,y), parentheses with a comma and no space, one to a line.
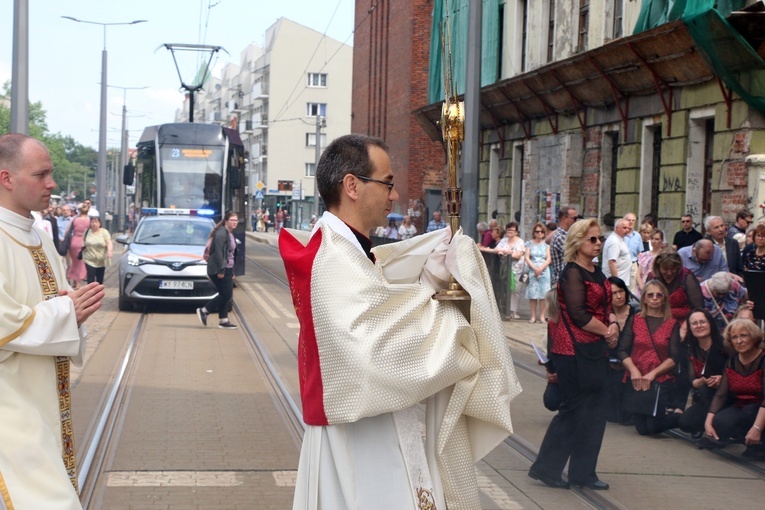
(164,260)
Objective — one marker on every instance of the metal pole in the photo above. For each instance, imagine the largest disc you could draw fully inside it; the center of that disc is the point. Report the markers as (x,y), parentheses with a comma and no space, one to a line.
(101,171)
(123,161)
(470,152)
(20,68)
(318,155)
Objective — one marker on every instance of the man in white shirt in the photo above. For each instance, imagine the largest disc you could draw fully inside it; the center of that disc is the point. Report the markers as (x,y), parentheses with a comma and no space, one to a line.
(616,253)
(42,328)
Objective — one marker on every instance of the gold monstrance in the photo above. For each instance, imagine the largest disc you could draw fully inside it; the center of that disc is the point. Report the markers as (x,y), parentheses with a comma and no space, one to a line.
(453,129)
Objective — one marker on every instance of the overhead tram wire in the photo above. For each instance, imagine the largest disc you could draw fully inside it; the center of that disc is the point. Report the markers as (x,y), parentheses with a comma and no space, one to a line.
(287,104)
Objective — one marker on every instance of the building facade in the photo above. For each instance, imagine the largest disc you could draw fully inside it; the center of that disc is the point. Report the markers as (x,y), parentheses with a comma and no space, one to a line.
(584,113)
(390,80)
(275,96)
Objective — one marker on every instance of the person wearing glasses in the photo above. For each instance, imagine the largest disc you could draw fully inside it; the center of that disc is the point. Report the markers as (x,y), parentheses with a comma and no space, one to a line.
(744,219)
(687,235)
(374,343)
(649,349)
(684,289)
(538,261)
(744,380)
(706,357)
(580,340)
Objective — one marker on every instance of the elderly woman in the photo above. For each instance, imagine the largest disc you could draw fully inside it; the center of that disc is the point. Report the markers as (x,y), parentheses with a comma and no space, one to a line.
(513,246)
(754,254)
(722,297)
(581,338)
(97,251)
(744,380)
(649,349)
(77,271)
(683,287)
(706,361)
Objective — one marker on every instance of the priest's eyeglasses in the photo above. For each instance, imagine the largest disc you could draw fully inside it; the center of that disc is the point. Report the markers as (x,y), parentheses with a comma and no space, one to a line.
(389,184)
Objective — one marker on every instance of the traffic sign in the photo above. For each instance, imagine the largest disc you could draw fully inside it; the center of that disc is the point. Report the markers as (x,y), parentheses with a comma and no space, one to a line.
(259,195)
(260,185)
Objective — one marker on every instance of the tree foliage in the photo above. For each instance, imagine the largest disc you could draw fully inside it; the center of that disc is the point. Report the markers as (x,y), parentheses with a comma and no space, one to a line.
(74,163)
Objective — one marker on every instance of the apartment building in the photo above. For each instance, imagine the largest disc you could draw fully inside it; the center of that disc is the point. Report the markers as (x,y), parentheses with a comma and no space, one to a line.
(274,96)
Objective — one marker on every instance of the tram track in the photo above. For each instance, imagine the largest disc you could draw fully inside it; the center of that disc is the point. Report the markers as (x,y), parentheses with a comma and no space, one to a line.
(515,443)
(109,415)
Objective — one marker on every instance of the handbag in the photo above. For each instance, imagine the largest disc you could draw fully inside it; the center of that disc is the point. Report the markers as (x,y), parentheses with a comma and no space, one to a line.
(79,255)
(66,243)
(645,402)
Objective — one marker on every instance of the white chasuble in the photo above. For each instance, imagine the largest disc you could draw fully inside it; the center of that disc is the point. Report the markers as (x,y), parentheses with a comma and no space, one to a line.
(38,335)
(373,345)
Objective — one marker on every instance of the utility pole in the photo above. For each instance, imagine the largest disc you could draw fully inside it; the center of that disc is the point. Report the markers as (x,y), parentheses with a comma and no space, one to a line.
(472,128)
(20,68)
(319,124)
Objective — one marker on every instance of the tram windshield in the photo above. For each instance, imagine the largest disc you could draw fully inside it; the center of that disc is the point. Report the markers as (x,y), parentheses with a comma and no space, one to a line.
(191,177)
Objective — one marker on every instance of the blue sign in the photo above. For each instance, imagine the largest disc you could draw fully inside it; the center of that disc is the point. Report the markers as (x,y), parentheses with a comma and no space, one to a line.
(258,195)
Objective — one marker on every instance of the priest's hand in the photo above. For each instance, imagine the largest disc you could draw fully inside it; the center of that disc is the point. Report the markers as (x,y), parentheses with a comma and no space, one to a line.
(86,300)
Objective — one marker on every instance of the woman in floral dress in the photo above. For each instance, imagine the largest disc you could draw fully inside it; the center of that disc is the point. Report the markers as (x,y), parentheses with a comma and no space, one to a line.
(538,260)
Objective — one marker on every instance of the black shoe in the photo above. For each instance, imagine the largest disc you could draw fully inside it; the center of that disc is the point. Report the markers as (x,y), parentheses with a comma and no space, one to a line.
(711,444)
(550,482)
(756,452)
(599,485)
(202,316)
(226,325)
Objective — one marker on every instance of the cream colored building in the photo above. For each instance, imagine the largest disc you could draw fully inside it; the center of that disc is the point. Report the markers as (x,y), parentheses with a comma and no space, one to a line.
(273,96)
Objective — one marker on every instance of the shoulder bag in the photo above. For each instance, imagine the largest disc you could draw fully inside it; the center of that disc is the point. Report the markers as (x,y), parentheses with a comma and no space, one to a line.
(66,242)
(84,237)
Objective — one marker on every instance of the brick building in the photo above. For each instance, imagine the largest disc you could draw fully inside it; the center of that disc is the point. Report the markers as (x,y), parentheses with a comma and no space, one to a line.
(390,80)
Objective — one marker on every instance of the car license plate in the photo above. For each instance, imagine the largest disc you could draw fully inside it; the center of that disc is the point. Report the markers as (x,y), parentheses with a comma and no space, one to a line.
(176,284)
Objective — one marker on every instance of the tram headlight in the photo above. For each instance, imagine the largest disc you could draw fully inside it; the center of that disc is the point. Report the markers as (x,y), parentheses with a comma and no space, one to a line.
(135,260)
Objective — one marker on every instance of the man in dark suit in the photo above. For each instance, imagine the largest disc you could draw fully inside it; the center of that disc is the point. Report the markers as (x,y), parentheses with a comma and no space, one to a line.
(716,231)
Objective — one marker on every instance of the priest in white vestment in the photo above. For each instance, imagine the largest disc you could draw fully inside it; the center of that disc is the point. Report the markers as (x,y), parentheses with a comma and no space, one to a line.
(41,328)
(374,344)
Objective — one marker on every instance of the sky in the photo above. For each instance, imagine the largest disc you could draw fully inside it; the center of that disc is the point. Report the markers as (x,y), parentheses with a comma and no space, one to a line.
(65,56)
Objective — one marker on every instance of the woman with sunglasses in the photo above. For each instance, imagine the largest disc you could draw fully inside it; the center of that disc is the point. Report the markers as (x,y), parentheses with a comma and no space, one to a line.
(744,380)
(580,339)
(538,260)
(682,285)
(706,360)
(649,349)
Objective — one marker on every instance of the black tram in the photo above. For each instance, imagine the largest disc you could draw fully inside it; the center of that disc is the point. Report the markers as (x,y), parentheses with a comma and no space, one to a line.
(197,168)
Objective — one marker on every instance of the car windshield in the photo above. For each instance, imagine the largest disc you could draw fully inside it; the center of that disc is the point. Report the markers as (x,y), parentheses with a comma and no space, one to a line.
(190,233)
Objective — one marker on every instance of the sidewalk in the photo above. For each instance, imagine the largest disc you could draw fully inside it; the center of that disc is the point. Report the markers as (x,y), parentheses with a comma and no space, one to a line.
(519,332)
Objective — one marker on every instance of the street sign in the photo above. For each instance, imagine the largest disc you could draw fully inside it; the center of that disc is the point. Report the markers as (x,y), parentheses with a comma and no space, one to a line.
(259,195)
(260,185)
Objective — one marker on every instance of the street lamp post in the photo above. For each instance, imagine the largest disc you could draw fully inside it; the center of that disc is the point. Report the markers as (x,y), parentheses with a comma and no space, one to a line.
(319,124)
(101,171)
(120,208)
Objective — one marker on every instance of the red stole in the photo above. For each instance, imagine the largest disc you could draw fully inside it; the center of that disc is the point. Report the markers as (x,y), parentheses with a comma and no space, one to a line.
(647,354)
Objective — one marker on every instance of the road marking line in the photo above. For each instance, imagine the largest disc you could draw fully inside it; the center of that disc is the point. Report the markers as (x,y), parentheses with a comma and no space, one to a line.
(173,479)
(261,302)
(285,478)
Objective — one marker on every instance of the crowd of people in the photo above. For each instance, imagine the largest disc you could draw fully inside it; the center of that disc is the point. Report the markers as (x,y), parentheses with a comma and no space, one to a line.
(650,336)
(80,239)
